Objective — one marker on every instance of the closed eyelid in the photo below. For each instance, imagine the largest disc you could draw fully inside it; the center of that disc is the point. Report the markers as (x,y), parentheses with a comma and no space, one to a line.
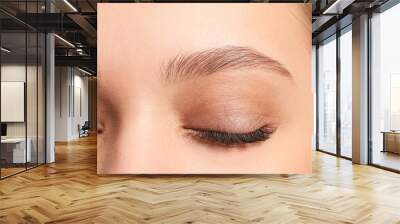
(267,128)
(228,139)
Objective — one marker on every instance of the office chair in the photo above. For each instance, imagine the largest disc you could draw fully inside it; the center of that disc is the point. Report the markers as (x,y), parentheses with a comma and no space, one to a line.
(84,130)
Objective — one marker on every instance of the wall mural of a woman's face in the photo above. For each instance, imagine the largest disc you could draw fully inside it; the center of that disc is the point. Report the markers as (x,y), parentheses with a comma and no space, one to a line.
(204,88)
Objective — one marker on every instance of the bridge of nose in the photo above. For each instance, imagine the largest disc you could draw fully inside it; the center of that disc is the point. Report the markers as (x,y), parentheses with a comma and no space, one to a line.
(149,137)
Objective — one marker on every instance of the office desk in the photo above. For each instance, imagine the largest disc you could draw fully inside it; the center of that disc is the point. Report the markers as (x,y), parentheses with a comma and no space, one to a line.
(391,141)
(13,150)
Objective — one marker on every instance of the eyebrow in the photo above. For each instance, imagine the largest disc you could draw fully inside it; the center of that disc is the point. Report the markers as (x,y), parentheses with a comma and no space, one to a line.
(207,62)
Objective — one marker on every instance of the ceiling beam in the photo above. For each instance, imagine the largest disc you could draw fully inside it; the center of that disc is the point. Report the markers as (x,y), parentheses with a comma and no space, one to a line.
(82,61)
(88,29)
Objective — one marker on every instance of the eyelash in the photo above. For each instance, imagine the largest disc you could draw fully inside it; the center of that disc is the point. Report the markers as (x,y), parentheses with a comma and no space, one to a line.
(232,139)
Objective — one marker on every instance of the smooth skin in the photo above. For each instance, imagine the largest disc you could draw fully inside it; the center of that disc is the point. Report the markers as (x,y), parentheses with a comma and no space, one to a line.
(143,120)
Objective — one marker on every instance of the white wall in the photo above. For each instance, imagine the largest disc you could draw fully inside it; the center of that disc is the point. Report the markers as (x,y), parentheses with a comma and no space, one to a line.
(62,81)
(13,101)
(71,93)
(12,73)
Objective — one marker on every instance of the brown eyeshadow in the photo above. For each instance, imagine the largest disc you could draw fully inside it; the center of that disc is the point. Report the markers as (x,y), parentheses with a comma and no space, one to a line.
(228,105)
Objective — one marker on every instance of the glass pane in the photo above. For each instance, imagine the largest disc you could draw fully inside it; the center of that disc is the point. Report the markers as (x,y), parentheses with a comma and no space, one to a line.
(13,89)
(386,89)
(346,94)
(31,87)
(31,100)
(314,73)
(327,96)
(22,90)
(41,98)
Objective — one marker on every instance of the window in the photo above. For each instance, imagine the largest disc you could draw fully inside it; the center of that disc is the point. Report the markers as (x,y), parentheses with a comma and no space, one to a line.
(327,95)
(346,92)
(385,89)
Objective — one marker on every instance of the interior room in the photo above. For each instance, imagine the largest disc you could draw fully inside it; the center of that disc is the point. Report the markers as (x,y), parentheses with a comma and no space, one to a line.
(22,101)
(51,78)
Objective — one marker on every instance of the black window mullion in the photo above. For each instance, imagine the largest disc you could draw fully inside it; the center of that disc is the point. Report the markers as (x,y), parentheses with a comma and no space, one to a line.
(316,97)
(369,90)
(338,91)
(0,96)
(37,90)
(26,87)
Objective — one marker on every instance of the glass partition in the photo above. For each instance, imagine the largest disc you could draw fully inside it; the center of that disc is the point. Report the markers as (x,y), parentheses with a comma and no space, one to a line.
(314,89)
(14,153)
(41,91)
(327,95)
(22,88)
(31,100)
(346,93)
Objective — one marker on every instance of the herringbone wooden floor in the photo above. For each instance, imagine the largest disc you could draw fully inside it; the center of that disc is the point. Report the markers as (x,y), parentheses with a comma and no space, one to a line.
(69,191)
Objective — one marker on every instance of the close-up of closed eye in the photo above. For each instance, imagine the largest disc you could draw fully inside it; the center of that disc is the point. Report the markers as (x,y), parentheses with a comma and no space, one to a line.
(220,96)
(230,139)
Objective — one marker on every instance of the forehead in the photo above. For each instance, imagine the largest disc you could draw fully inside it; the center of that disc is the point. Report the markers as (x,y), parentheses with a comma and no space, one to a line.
(136,39)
